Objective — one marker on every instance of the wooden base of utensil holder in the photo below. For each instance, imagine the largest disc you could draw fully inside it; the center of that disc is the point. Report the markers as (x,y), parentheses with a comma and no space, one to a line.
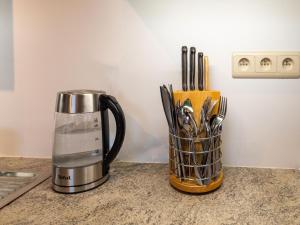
(191,187)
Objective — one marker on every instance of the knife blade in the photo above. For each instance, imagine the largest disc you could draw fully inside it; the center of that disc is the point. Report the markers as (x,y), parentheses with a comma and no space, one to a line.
(184,51)
(200,72)
(192,68)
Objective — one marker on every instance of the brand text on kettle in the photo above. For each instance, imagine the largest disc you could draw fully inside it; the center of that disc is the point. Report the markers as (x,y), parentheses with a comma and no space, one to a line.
(64,177)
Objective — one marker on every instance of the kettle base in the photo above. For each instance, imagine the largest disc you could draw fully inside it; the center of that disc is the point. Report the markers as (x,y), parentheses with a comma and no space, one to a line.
(80,188)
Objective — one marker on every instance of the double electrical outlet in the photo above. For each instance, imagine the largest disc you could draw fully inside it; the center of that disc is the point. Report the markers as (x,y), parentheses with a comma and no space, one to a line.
(266,65)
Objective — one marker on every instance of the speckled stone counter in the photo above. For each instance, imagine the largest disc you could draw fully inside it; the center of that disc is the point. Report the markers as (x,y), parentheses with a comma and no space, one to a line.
(140,194)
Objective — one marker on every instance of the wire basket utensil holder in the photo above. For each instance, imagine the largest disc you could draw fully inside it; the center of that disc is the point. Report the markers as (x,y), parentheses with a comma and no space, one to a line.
(195,156)
(195,163)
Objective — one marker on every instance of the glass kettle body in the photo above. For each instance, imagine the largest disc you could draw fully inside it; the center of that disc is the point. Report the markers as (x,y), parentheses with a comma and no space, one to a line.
(81,154)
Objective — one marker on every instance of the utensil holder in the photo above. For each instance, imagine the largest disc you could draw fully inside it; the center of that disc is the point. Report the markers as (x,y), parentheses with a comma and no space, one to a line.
(202,154)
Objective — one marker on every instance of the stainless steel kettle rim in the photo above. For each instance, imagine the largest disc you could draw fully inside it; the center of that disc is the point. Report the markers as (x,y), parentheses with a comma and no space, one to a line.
(78,101)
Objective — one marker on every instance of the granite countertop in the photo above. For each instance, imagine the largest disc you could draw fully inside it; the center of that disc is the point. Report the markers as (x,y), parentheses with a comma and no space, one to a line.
(141,194)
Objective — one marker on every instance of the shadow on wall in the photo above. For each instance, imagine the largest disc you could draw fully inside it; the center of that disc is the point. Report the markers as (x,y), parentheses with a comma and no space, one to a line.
(6,46)
(139,144)
(9,142)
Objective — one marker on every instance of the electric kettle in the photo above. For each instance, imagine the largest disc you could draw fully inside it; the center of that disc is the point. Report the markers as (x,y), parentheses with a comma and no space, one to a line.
(81,154)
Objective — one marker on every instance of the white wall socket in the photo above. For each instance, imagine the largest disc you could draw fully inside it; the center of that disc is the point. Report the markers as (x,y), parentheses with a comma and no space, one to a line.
(288,64)
(266,65)
(244,63)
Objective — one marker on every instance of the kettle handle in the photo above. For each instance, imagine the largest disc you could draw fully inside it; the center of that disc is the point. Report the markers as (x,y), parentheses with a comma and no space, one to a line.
(109,102)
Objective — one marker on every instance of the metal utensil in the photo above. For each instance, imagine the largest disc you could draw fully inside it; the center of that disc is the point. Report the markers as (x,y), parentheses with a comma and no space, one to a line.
(217,121)
(208,156)
(172,105)
(187,123)
(167,105)
(212,105)
(176,131)
(207,110)
(165,97)
(186,119)
(184,51)
(208,145)
(216,125)
(200,72)
(192,68)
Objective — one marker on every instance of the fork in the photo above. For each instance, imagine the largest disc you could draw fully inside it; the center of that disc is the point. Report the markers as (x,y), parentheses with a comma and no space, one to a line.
(217,121)
(216,125)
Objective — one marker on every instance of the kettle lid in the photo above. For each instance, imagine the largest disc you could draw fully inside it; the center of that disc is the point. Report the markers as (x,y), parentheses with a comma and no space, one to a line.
(78,101)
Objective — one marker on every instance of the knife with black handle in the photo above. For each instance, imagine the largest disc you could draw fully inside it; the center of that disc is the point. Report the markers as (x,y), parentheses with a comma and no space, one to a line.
(184,51)
(200,72)
(192,68)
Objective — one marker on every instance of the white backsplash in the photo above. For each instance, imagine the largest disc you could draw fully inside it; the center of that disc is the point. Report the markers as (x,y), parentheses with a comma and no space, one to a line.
(129,48)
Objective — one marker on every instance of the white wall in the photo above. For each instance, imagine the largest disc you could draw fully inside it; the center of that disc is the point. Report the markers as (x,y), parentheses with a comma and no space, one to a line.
(129,48)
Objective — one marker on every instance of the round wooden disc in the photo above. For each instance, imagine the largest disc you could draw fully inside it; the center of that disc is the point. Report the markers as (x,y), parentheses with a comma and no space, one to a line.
(191,187)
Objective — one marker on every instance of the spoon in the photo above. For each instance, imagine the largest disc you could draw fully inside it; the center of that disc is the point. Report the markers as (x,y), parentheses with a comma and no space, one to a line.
(187,123)
(186,118)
